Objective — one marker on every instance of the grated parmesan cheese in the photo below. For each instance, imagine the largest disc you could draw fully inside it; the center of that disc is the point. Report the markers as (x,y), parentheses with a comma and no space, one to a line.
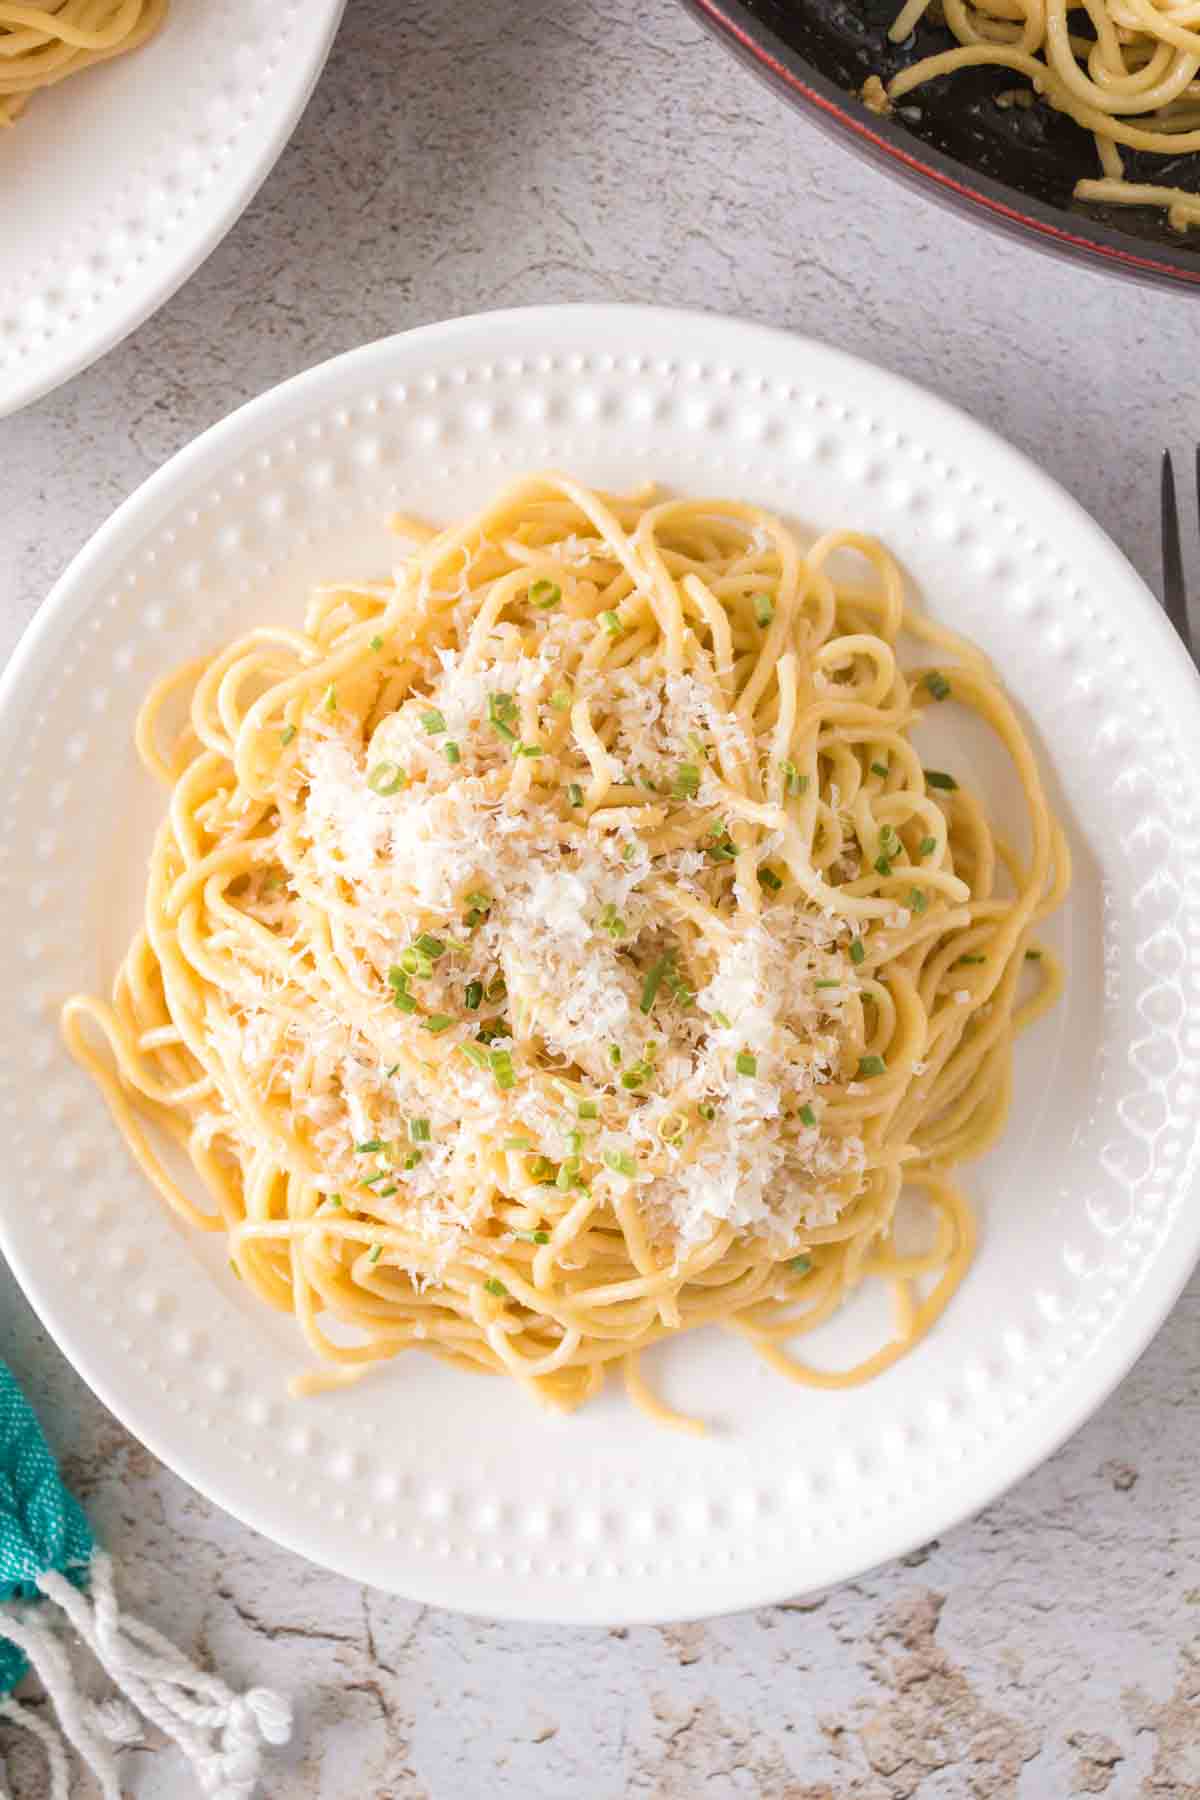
(576,915)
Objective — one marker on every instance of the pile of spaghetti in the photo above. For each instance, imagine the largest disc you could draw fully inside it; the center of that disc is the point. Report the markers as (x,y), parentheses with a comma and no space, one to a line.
(563,945)
(40,45)
(1126,70)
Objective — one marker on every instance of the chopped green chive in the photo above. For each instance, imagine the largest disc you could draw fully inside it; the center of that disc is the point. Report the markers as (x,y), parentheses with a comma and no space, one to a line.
(286,735)
(476,1054)
(529,750)
(764,610)
(376,1253)
(745,1063)
(451,752)
(965,962)
(415,962)
(620,1162)
(927,846)
(394,1070)
(679,986)
(429,946)
(376,643)
(497,988)
(791,778)
(532,1237)
(473,996)
(418,1131)
(403,1001)
(433,721)
(412,1159)
(827,984)
(612,922)
(385,1193)
(800,1265)
(807,1116)
(634,1076)
(574,794)
(588,1109)
(369,1148)
(518,1143)
(330,700)
(937,684)
(611,624)
(889,843)
(501,710)
(654,980)
(937,778)
(437,1023)
(879,769)
(707,1110)
(1033,956)
(545,594)
(917,901)
(770,879)
(560,699)
(575,1142)
(614,1055)
(503,1073)
(882,866)
(386,778)
(568,1169)
(871,1065)
(721,846)
(370,1180)
(858,952)
(687,782)
(495,1287)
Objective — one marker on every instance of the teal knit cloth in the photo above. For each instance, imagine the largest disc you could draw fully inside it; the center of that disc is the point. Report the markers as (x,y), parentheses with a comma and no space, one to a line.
(58,1603)
(41,1525)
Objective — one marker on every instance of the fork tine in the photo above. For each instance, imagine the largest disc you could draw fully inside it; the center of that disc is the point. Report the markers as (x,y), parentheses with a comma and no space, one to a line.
(1174,592)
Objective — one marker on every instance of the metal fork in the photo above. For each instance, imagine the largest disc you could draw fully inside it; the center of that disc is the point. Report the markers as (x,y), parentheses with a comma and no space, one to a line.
(1174,587)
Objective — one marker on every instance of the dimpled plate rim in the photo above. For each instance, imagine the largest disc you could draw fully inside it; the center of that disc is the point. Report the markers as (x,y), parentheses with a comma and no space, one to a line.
(409,1482)
(148,162)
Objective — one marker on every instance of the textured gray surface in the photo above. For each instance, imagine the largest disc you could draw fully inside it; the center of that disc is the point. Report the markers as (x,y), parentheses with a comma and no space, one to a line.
(457,158)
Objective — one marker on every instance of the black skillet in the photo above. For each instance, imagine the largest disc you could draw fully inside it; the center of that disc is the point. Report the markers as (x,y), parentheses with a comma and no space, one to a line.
(1014,167)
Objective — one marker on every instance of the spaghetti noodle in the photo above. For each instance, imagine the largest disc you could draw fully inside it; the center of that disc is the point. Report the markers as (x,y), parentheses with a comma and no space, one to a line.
(1123,69)
(562,945)
(40,45)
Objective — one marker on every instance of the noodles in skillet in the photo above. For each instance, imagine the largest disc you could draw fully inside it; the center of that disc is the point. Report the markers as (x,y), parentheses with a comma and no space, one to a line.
(1126,70)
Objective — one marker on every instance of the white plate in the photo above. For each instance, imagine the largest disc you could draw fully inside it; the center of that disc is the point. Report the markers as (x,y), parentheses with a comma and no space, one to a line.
(117,183)
(451,1488)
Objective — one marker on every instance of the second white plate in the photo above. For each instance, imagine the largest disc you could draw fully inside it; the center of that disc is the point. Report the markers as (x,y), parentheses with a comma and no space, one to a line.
(118,182)
(452,1488)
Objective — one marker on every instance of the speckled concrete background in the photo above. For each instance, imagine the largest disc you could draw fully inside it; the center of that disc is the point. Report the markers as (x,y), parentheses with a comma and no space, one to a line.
(481,154)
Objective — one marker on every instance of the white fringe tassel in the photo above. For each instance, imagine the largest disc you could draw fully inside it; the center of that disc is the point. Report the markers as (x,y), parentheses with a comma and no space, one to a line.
(221,1733)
